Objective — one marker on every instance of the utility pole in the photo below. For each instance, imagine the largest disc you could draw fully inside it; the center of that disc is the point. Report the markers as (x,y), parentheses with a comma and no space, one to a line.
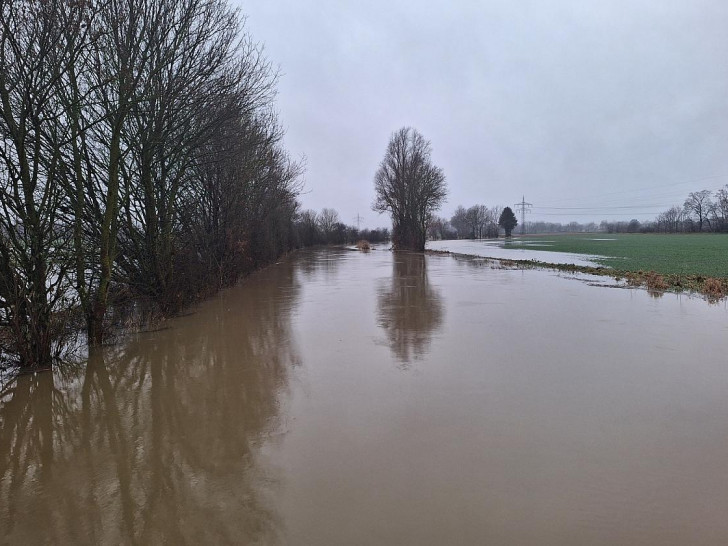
(523,207)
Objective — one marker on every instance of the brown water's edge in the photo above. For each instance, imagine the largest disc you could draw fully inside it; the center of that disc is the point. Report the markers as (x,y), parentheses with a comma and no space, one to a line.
(134,323)
(713,289)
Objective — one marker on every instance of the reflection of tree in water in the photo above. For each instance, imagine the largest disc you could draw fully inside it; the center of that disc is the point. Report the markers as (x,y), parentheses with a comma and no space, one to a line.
(28,431)
(157,441)
(410,309)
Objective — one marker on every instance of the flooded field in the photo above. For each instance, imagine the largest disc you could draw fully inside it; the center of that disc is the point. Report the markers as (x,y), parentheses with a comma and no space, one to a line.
(494,248)
(348,398)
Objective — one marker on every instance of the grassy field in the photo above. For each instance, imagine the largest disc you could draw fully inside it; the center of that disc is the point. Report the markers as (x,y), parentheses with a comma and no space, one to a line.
(681,254)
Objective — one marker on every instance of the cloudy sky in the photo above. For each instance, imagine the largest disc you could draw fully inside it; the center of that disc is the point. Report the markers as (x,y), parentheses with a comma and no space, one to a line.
(591,109)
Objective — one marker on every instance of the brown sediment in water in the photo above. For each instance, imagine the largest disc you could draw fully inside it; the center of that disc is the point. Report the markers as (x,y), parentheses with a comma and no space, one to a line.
(396,397)
(713,288)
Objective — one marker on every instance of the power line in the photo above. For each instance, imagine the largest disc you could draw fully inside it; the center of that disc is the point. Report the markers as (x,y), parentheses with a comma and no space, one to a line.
(674,184)
(601,208)
(601,213)
(667,192)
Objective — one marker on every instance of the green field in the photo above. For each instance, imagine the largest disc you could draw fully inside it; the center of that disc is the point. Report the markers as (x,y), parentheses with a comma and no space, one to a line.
(682,254)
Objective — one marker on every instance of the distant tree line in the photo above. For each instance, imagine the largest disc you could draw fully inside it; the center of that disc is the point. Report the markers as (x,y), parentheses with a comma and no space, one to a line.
(557,227)
(631,226)
(141,160)
(702,211)
(476,222)
(325,228)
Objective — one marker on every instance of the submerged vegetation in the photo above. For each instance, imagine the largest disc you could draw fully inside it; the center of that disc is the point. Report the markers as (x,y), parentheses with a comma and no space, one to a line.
(713,288)
(142,164)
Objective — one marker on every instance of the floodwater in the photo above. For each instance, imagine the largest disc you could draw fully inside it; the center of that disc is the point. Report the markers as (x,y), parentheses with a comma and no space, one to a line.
(494,248)
(348,398)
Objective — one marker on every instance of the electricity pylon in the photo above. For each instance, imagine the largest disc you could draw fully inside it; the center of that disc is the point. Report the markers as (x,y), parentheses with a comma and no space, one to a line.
(523,207)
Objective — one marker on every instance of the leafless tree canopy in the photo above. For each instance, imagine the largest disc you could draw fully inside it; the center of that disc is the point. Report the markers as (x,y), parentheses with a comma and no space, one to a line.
(699,204)
(475,222)
(409,187)
(140,159)
(327,222)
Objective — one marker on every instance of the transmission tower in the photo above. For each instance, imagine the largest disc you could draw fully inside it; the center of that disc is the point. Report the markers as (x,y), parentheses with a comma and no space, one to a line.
(524,208)
(358,220)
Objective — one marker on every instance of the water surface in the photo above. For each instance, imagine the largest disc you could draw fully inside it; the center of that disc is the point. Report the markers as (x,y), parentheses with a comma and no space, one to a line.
(347,398)
(493,248)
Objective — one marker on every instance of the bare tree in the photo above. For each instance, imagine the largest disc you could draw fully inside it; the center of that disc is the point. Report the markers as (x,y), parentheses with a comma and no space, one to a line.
(140,156)
(120,59)
(327,221)
(721,207)
(187,75)
(477,217)
(307,225)
(491,221)
(459,221)
(239,209)
(409,187)
(699,204)
(82,165)
(32,245)
(673,219)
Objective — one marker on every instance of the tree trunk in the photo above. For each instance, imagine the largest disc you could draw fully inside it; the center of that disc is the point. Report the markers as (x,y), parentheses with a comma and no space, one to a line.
(95,324)
(109,228)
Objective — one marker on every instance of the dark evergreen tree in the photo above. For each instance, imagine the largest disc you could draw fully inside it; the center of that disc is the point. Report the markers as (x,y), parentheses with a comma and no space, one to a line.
(507,220)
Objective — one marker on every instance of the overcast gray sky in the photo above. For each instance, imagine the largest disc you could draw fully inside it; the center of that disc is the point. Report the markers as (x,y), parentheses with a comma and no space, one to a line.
(573,104)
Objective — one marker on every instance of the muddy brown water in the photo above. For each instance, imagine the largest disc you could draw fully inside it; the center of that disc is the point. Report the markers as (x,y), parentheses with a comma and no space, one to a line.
(348,398)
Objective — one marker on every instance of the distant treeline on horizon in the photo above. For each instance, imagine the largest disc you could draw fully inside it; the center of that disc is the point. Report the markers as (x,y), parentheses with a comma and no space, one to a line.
(702,211)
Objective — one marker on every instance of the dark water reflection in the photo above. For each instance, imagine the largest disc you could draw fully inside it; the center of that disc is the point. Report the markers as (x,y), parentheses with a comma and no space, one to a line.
(410,309)
(156,441)
(347,398)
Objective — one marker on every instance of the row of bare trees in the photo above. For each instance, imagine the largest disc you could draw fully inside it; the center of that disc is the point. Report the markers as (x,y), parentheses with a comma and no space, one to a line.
(702,211)
(140,157)
(476,222)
